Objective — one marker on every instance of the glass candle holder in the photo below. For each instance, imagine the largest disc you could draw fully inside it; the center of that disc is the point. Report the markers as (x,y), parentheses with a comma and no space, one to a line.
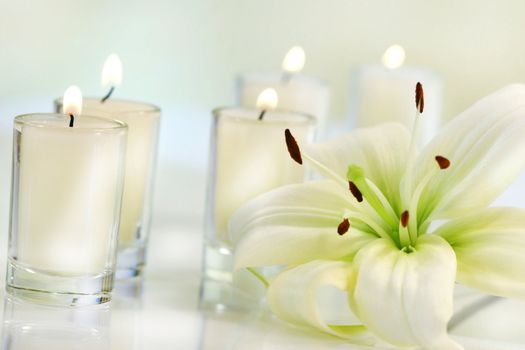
(248,157)
(31,326)
(65,206)
(297,92)
(143,122)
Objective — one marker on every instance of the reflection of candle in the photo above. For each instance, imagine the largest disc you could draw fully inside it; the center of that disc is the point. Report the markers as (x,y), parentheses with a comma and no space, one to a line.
(296,92)
(249,157)
(143,122)
(382,93)
(67,188)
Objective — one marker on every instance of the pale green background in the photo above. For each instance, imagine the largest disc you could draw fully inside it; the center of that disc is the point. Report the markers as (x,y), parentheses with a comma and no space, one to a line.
(185,55)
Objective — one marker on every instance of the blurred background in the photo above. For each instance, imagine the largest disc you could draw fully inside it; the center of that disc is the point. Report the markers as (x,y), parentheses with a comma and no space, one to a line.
(185,57)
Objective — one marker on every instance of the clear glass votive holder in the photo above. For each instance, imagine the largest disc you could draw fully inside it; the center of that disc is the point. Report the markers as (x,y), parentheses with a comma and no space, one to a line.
(248,157)
(66,196)
(143,122)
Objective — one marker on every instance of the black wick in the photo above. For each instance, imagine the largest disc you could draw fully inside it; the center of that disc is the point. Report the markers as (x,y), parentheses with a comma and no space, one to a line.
(71,120)
(261,116)
(108,95)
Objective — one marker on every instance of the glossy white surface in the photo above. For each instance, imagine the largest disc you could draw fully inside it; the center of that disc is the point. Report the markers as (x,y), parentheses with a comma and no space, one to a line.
(164,314)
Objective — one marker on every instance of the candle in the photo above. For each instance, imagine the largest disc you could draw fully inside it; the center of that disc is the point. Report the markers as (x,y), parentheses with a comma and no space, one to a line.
(143,122)
(248,157)
(385,93)
(297,92)
(68,173)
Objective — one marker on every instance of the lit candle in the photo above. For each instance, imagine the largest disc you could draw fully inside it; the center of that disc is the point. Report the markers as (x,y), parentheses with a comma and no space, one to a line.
(143,122)
(249,156)
(68,173)
(297,92)
(385,93)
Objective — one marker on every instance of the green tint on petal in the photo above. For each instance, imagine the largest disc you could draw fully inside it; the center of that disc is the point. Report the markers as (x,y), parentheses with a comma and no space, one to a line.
(295,224)
(293,297)
(490,249)
(486,147)
(381,151)
(406,299)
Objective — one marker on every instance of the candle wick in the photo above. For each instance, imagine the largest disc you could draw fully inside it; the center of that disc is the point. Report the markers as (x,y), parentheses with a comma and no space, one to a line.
(71,120)
(261,116)
(108,95)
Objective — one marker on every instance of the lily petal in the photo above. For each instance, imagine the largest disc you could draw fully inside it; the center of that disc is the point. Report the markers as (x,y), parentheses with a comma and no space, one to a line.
(486,147)
(293,297)
(490,249)
(406,298)
(294,224)
(380,150)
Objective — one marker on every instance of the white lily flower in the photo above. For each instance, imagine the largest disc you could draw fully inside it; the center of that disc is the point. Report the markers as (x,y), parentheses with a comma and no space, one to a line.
(366,228)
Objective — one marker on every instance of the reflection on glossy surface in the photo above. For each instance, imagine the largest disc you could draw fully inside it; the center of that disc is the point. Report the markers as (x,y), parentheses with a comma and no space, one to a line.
(30,326)
(161,312)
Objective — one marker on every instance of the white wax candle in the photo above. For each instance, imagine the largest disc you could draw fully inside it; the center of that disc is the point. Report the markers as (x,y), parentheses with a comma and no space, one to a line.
(250,158)
(296,92)
(380,95)
(143,122)
(69,182)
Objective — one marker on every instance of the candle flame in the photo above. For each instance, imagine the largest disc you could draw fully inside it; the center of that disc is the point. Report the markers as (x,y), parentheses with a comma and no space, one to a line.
(112,71)
(267,99)
(293,61)
(72,102)
(394,57)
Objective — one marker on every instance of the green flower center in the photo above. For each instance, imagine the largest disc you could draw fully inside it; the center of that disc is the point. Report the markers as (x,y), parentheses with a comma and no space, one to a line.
(377,213)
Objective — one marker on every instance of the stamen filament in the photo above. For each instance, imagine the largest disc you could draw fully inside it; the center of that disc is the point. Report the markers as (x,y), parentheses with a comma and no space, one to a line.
(352,215)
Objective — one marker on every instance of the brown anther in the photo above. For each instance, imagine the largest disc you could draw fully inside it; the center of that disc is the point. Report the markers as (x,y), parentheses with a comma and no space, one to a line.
(355,191)
(293,147)
(442,162)
(420,97)
(404,218)
(71,120)
(343,227)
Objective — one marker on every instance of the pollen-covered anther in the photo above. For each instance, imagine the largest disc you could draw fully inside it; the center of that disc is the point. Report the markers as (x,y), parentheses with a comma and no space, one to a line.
(420,97)
(293,147)
(404,218)
(343,227)
(442,162)
(355,191)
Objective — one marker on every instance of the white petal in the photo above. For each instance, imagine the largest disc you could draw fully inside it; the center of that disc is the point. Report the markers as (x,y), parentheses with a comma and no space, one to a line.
(486,147)
(293,297)
(294,224)
(490,249)
(406,299)
(381,151)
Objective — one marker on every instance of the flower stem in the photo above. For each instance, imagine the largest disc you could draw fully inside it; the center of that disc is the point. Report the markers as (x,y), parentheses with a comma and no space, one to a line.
(259,276)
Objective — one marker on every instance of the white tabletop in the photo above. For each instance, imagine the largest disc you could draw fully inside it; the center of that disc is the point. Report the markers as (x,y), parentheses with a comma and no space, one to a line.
(163,313)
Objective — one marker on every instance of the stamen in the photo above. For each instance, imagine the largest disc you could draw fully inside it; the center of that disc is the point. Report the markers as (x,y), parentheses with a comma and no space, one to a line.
(293,147)
(414,139)
(442,162)
(420,97)
(355,191)
(343,227)
(415,231)
(372,194)
(71,120)
(404,218)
